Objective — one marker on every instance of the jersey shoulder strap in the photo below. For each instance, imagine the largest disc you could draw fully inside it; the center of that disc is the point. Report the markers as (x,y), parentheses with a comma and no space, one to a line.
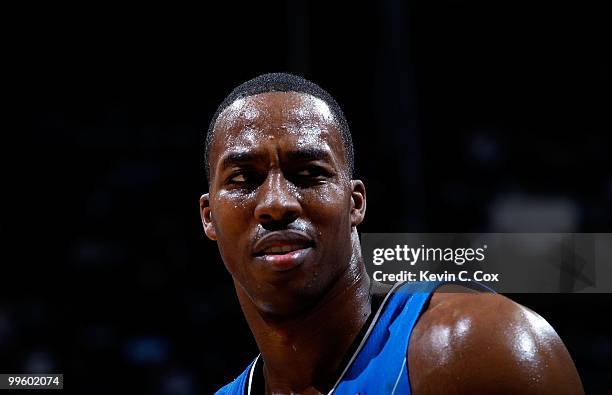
(241,384)
(379,366)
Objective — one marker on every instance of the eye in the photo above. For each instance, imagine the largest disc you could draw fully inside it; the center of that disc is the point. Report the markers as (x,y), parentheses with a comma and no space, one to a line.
(313,172)
(243,178)
(238,178)
(311,175)
(306,173)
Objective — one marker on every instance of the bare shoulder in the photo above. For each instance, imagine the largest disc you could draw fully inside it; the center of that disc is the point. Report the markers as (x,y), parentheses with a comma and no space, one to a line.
(467,343)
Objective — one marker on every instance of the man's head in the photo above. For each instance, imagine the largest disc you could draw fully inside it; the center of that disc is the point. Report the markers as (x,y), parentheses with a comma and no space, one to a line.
(282,204)
(282,82)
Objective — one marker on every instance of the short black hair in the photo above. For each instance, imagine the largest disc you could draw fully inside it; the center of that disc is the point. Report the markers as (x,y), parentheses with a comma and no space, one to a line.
(283,82)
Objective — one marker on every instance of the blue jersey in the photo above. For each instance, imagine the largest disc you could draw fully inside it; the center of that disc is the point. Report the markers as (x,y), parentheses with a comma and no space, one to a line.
(378,366)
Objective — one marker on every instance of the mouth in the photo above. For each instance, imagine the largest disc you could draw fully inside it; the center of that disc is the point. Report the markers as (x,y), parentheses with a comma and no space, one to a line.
(283,251)
(289,257)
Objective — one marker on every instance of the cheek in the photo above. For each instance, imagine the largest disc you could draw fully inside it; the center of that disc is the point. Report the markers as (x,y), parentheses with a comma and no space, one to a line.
(231,213)
(231,216)
(328,205)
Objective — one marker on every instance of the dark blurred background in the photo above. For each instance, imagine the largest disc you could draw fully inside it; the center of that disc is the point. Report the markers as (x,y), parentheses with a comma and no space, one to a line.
(467,116)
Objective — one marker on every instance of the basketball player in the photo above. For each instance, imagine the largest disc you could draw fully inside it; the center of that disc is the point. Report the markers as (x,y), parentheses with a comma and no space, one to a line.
(284,208)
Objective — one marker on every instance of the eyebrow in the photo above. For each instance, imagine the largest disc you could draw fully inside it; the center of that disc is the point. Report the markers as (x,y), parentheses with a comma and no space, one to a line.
(309,154)
(238,157)
(301,155)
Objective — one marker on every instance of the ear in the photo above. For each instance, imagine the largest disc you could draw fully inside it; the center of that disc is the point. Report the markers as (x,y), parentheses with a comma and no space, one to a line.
(206,215)
(358,202)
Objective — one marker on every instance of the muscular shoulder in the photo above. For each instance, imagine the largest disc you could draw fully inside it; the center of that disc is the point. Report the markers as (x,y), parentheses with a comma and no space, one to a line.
(466,343)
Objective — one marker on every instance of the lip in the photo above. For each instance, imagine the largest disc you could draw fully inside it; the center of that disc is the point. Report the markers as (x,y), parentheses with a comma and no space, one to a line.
(281,261)
(281,238)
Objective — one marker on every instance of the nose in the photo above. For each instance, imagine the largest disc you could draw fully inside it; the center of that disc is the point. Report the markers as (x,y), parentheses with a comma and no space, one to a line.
(277,203)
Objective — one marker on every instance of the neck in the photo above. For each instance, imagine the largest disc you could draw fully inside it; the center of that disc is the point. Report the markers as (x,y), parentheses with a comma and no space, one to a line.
(303,353)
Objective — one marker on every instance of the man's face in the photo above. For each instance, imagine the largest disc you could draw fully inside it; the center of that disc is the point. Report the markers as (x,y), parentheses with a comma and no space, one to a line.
(281,203)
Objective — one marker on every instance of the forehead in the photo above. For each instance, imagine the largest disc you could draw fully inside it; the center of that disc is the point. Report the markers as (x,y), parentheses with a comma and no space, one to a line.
(296,120)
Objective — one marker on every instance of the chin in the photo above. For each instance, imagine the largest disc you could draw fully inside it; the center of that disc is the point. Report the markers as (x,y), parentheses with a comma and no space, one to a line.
(288,299)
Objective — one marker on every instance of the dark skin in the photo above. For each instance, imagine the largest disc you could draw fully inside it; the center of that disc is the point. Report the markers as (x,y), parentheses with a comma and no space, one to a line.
(480,343)
(284,212)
